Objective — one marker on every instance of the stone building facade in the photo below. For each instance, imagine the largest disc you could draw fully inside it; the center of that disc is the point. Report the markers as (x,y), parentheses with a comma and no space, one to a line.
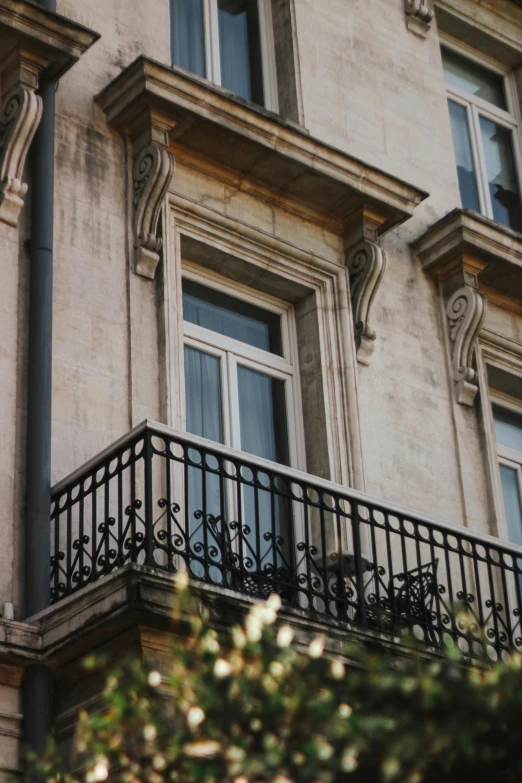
(358,205)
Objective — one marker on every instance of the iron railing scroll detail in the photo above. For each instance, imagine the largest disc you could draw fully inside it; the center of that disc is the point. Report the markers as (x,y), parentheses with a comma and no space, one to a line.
(174,501)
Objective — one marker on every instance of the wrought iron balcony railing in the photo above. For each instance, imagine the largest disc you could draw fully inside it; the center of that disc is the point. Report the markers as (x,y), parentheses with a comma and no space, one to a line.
(174,501)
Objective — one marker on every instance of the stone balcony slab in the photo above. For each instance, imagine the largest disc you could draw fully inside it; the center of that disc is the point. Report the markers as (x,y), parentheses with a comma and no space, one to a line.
(151,100)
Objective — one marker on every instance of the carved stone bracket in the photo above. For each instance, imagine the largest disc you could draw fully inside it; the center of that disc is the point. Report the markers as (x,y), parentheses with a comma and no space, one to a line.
(465,311)
(151,173)
(419,16)
(366,262)
(20,114)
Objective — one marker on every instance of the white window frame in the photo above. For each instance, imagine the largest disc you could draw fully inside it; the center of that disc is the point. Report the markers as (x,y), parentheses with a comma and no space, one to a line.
(266,35)
(234,352)
(476,107)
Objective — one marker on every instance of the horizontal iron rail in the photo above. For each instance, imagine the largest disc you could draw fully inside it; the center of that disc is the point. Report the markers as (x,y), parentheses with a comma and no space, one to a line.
(286,472)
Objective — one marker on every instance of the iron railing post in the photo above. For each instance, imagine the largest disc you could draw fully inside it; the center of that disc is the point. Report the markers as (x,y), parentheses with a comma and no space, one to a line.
(148,510)
(359,573)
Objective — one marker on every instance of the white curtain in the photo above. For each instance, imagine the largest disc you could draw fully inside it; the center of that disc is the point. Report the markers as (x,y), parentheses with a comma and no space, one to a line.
(187,35)
(234,48)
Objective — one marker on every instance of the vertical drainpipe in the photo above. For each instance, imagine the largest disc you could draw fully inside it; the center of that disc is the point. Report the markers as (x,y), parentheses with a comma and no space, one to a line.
(37,679)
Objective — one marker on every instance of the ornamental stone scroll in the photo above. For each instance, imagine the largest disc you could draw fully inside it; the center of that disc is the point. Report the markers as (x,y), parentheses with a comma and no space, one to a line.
(152,171)
(366,262)
(20,115)
(419,16)
(465,311)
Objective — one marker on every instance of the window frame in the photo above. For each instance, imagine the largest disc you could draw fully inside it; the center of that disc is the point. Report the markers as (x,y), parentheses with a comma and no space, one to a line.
(477,107)
(234,353)
(267,47)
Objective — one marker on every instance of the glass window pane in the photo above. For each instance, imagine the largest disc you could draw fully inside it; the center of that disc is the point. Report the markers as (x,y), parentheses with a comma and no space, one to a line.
(500,167)
(187,35)
(240,48)
(203,395)
(464,156)
(231,317)
(262,415)
(508,428)
(473,78)
(510,491)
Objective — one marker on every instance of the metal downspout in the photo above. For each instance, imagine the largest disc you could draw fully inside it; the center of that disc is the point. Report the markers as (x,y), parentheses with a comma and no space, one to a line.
(37,679)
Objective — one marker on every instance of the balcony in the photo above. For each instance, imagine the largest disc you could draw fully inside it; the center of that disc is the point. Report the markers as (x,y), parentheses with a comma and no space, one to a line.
(172,501)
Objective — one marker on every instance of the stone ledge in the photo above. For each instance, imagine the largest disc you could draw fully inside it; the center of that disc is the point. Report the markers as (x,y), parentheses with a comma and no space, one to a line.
(465,237)
(151,100)
(58,39)
(491,26)
(136,597)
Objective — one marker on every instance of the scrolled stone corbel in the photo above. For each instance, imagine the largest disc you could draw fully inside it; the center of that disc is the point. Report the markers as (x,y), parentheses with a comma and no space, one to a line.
(20,114)
(366,262)
(152,170)
(465,311)
(419,16)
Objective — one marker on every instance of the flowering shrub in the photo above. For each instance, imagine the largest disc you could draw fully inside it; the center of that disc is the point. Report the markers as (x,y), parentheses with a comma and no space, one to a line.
(247,707)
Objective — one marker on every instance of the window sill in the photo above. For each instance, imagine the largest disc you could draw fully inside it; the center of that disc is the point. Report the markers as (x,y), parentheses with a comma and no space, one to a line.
(253,141)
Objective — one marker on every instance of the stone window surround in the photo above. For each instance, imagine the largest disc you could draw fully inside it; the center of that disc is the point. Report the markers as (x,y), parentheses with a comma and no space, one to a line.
(512,115)
(499,364)
(324,330)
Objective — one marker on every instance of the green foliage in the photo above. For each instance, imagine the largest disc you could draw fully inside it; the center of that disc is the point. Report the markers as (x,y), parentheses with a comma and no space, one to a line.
(249,707)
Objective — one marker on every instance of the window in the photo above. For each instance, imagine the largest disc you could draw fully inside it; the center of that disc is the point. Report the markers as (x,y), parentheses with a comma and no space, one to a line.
(508,433)
(229,42)
(484,129)
(240,390)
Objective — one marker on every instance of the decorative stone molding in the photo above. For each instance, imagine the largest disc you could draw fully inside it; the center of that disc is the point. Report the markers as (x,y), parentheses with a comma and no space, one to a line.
(272,155)
(419,16)
(366,263)
(474,259)
(151,173)
(35,44)
(20,114)
(465,312)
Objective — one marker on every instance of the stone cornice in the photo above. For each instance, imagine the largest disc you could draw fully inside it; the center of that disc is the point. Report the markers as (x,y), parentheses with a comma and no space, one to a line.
(60,40)
(491,26)
(255,142)
(463,237)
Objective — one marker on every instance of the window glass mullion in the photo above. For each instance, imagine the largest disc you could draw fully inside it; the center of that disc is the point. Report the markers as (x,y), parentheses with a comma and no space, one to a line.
(212,41)
(480,162)
(233,397)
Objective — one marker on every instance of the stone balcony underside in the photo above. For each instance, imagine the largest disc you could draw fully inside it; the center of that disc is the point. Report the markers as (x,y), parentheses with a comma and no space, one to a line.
(253,142)
(59,40)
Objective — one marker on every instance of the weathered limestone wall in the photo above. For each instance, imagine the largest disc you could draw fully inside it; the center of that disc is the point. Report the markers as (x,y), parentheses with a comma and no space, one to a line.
(377,91)
(369,87)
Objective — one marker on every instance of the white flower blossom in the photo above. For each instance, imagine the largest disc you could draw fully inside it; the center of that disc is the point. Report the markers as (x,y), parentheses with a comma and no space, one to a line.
(274,602)
(195,716)
(222,668)
(315,650)
(150,732)
(154,679)
(182,580)
(337,670)
(206,749)
(284,636)
(99,772)
(345,710)
(276,669)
